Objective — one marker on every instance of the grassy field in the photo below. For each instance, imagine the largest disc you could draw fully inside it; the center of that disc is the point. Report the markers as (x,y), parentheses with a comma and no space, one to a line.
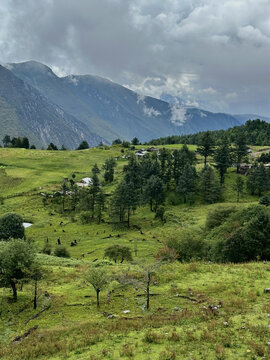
(197,310)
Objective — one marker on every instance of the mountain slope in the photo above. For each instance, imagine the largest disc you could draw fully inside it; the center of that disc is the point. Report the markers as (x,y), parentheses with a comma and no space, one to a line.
(112,110)
(242,118)
(25,112)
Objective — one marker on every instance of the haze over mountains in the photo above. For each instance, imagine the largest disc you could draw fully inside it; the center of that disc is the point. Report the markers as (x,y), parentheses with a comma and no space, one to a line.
(36,103)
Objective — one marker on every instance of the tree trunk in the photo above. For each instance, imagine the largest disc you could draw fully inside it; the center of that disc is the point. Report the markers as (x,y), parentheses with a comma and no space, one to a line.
(35,295)
(128,216)
(14,290)
(238,169)
(151,205)
(205,158)
(148,290)
(98,291)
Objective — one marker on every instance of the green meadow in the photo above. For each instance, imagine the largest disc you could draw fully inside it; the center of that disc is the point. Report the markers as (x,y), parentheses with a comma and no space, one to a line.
(198,310)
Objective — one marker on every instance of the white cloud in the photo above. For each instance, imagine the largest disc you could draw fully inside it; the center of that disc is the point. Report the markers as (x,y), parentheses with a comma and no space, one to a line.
(178,114)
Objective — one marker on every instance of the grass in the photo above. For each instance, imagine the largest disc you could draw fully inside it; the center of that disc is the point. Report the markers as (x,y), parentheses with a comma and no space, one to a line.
(181,322)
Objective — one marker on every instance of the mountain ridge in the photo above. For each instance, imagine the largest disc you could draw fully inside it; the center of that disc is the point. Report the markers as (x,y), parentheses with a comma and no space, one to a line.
(104,110)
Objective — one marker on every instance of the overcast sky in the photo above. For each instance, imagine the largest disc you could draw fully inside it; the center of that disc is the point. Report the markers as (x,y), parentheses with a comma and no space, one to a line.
(211,53)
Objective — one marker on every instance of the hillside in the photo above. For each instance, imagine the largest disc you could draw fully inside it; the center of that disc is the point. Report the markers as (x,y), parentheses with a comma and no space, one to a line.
(25,112)
(257,132)
(113,111)
(198,307)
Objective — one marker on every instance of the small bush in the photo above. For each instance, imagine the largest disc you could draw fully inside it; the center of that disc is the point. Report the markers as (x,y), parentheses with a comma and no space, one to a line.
(218,216)
(47,249)
(152,337)
(160,213)
(265,200)
(85,217)
(61,251)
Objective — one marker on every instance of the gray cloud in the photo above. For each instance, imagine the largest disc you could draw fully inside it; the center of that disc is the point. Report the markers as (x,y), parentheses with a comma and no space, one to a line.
(211,53)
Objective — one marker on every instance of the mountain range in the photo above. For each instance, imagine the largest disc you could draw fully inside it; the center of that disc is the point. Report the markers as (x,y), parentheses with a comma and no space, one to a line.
(36,103)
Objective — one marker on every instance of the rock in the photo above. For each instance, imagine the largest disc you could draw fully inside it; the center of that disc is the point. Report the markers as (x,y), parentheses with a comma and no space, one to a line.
(225,323)
(126,311)
(176,308)
(111,316)
(268,315)
(267,290)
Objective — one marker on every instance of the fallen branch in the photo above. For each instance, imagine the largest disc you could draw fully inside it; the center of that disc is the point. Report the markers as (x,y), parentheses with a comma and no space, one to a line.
(37,315)
(27,333)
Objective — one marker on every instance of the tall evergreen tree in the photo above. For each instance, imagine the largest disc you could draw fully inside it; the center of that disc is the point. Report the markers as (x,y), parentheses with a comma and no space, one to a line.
(209,185)
(6,141)
(95,169)
(240,149)
(108,168)
(186,184)
(94,190)
(222,157)
(238,186)
(206,145)
(154,192)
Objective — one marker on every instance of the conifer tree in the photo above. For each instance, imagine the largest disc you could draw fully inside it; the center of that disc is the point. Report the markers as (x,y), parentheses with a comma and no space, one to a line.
(209,185)
(206,145)
(186,184)
(222,158)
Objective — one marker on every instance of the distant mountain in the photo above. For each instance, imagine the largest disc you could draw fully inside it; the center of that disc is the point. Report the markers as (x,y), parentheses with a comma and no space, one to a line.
(111,110)
(245,117)
(24,111)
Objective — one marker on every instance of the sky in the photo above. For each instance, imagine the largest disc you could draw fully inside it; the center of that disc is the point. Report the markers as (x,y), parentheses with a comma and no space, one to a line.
(213,54)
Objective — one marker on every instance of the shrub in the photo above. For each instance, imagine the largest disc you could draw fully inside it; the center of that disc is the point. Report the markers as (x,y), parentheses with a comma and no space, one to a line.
(218,216)
(47,249)
(188,246)
(85,217)
(265,200)
(243,237)
(118,252)
(11,226)
(61,251)
(160,213)
(167,254)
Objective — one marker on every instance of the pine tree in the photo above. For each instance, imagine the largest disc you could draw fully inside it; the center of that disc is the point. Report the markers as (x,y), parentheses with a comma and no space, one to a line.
(108,167)
(100,204)
(94,190)
(240,150)
(209,185)
(186,183)
(154,193)
(95,169)
(206,145)
(222,158)
(238,186)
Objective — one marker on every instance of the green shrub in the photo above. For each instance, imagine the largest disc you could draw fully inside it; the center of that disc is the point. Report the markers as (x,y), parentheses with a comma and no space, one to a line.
(243,237)
(61,251)
(85,217)
(188,246)
(47,249)
(218,216)
(265,200)
(118,253)
(11,226)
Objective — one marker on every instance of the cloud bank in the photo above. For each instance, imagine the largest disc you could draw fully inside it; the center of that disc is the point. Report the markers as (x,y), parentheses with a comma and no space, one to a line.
(213,53)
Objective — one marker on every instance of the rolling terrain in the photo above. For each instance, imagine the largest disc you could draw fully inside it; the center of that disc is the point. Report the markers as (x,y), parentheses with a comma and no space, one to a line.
(181,323)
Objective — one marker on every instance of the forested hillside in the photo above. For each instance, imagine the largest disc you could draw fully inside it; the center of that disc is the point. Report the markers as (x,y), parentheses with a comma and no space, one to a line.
(257,132)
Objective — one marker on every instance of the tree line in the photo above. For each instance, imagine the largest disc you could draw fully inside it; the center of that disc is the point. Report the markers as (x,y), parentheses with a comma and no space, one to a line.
(257,132)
